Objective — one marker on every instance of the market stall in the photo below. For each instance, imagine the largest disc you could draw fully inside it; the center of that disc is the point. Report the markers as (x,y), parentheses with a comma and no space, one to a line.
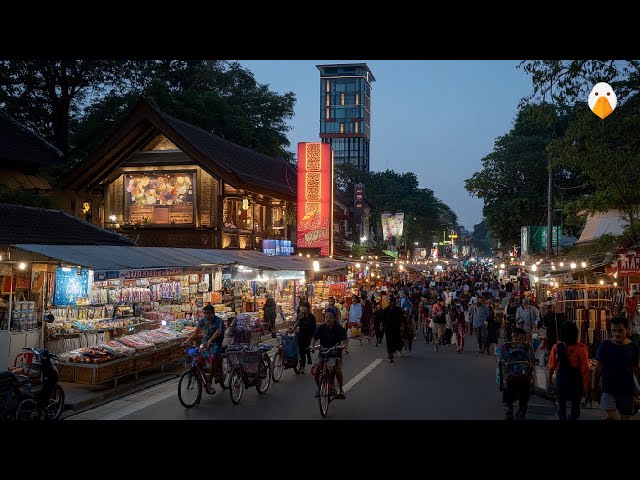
(22,293)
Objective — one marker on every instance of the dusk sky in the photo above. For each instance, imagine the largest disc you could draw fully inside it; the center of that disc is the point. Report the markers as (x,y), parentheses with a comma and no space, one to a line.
(435,118)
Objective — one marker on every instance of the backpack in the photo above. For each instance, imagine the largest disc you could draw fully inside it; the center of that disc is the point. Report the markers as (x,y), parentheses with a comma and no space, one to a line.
(517,363)
(290,347)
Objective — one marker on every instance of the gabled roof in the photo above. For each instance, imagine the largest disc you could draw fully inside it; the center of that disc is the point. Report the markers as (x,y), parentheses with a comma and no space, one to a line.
(238,166)
(20,146)
(16,179)
(22,224)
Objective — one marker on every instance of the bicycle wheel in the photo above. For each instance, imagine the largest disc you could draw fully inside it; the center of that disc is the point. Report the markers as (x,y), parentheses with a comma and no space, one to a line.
(298,366)
(56,404)
(190,389)
(278,367)
(236,385)
(265,376)
(323,395)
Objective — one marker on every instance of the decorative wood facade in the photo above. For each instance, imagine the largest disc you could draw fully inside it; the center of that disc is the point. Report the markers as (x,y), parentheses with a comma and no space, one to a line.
(164,182)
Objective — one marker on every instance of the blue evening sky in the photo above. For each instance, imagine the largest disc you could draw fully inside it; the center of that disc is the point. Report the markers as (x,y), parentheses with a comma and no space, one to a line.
(435,118)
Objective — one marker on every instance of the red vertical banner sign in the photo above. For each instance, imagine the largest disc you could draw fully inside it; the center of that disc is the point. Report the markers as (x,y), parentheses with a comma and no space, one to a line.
(315,192)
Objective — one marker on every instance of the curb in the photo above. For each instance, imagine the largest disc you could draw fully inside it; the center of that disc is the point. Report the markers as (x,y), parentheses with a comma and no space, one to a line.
(122,390)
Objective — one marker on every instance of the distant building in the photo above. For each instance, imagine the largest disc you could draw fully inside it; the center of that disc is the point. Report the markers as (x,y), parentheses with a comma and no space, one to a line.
(345,112)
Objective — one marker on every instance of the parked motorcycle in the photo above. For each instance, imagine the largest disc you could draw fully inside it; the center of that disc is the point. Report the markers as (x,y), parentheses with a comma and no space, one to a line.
(35,396)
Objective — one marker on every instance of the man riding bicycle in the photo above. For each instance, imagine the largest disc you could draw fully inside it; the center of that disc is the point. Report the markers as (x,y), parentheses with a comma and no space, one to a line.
(330,334)
(212,329)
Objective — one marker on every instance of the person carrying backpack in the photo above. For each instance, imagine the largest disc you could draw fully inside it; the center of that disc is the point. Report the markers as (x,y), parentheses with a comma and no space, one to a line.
(515,371)
(570,359)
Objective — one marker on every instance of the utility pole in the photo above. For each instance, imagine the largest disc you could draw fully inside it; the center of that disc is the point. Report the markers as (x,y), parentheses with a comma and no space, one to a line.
(550,212)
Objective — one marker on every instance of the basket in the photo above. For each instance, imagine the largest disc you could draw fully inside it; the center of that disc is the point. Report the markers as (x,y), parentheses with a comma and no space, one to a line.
(247,359)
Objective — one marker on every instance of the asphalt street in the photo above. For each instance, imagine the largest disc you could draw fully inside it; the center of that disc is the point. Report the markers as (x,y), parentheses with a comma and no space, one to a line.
(424,385)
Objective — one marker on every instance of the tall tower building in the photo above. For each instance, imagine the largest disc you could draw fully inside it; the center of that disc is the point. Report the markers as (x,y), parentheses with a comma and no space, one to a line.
(345,112)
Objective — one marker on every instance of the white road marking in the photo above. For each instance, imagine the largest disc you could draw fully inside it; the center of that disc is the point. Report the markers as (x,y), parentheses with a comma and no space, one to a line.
(361,375)
(139,405)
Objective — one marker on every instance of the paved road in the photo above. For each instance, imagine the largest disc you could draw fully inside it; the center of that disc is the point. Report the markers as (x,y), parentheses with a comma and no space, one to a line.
(426,385)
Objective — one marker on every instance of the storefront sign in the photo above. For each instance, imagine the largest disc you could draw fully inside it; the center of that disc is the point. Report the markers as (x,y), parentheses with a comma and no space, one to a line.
(129,274)
(629,265)
(279,248)
(315,196)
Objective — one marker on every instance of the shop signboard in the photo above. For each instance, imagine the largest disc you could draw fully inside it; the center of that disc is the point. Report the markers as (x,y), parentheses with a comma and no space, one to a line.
(131,274)
(278,248)
(629,265)
(392,224)
(315,196)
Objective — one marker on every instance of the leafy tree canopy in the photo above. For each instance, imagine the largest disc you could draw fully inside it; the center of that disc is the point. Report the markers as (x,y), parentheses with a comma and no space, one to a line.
(425,215)
(76,104)
(514,178)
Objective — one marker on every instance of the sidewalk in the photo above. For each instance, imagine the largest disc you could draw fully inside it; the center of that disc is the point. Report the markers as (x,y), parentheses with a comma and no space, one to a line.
(80,397)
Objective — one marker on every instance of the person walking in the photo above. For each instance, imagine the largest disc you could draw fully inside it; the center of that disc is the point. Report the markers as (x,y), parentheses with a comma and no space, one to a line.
(618,363)
(439,322)
(459,325)
(378,317)
(307,327)
(367,320)
(392,321)
(570,359)
(493,332)
(407,328)
(552,324)
(479,313)
(527,317)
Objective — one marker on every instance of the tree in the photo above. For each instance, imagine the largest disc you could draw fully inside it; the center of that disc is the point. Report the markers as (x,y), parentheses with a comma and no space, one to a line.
(607,153)
(46,95)
(425,215)
(481,238)
(220,97)
(563,82)
(513,180)
(76,104)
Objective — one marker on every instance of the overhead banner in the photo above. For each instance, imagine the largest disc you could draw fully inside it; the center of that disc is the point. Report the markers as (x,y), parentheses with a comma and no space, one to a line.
(315,196)
(358,201)
(392,224)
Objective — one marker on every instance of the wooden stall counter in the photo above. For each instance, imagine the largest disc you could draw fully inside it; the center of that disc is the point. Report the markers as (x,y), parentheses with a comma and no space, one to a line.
(92,374)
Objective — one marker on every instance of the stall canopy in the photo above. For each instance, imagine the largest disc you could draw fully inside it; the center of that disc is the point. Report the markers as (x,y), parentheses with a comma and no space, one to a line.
(118,258)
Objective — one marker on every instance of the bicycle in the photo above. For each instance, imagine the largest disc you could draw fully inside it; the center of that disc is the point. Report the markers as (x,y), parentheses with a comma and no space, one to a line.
(250,367)
(192,380)
(326,392)
(280,362)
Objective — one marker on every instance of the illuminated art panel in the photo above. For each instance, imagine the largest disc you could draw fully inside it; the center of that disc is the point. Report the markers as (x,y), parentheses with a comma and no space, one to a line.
(314,196)
(160,198)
